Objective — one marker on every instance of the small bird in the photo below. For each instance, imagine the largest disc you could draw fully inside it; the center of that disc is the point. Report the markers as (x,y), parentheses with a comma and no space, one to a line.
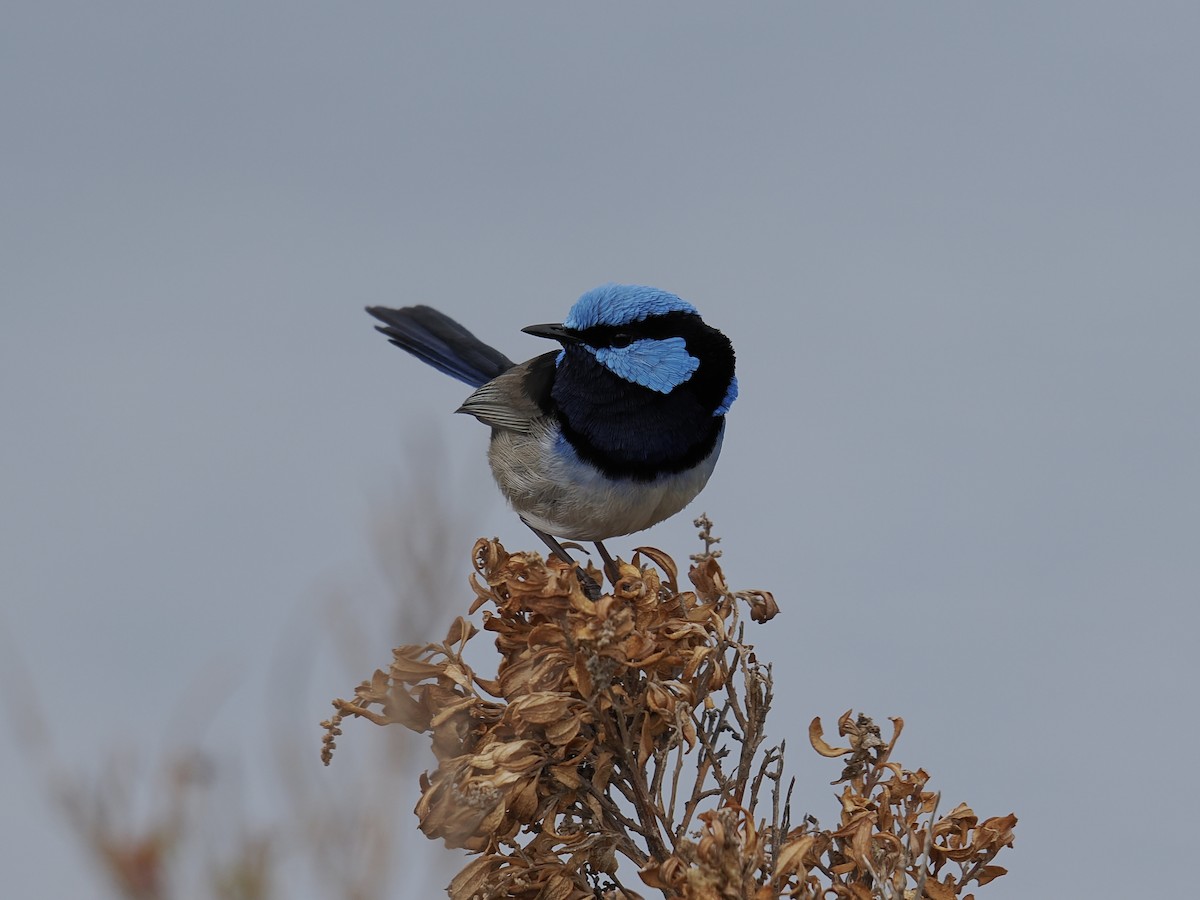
(614,432)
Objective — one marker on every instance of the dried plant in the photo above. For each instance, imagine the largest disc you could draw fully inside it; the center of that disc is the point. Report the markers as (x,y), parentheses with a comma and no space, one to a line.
(176,825)
(146,829)
(634,726)
(137,857)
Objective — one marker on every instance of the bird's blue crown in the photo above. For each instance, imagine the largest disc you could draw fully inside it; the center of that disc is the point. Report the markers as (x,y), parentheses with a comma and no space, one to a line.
(622,304)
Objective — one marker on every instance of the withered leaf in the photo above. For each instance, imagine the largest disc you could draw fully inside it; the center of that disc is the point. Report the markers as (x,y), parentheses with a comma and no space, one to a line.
(665,563)
(792,856)
(937,890)
(461,631)
(407,667)
(540,707)
(988,873)
(816,737)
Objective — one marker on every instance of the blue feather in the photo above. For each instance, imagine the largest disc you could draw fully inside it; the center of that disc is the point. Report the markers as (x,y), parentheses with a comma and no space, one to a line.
(661,365)
(730,396)
(622,304)
(438,340)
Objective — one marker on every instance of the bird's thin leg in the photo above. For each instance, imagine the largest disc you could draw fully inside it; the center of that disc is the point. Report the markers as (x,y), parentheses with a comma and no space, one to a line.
(552,542)
(590,587)
(610,564)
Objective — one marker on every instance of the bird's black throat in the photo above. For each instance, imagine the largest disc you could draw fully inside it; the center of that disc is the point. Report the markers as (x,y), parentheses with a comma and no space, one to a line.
(630,431)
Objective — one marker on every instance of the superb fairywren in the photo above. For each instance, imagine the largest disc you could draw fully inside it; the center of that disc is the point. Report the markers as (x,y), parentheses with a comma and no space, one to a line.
(615,432)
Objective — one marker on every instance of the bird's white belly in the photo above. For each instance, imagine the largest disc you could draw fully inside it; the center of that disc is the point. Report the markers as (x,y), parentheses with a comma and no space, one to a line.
(557,492)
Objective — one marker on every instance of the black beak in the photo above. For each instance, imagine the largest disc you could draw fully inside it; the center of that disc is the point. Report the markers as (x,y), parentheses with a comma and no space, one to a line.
(555,333)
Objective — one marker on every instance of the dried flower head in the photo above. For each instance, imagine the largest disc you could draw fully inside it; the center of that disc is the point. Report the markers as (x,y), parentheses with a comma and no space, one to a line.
(614,727)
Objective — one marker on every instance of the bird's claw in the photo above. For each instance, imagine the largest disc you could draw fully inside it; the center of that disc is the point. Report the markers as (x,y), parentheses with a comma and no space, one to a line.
(591,588)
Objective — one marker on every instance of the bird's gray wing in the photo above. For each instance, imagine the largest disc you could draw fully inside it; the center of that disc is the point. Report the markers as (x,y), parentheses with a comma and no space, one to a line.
(517,399)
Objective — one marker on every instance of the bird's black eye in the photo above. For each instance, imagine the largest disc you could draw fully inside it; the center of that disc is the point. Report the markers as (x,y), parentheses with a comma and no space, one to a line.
(621,339)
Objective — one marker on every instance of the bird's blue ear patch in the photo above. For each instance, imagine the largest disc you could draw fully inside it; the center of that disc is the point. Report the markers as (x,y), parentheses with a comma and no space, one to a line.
(659,365)
(730,396)
(622,304)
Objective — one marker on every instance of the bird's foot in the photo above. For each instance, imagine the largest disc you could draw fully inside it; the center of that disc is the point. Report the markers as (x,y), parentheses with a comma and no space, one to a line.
(591,588)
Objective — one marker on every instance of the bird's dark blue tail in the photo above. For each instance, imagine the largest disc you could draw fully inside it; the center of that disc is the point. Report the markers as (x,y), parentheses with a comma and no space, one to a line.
(440,341)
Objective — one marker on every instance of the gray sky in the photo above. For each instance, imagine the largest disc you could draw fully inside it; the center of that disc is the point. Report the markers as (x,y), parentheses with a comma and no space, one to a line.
(956,248)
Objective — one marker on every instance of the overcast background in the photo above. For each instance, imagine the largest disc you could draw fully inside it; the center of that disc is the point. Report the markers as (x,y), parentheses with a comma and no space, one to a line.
(957,248)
